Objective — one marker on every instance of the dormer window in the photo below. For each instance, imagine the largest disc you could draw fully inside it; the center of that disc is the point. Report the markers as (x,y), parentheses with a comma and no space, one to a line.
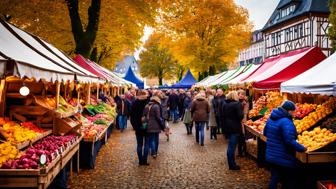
(287,11)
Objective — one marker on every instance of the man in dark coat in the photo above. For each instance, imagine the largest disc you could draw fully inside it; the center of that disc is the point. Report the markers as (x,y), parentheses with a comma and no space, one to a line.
(181,97)
(281,145)
(123,109)
(218,103)
(142,137)
(173,101)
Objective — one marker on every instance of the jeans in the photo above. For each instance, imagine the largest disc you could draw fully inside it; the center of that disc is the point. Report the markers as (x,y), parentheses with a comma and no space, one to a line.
(142,147)
(173,114)
(122,122)
(154,143)
(287,176)
(200,130)
(233,141)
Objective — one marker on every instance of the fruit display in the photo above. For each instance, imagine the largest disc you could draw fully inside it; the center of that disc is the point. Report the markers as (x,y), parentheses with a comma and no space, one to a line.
(311,119)
(274,99)
(31,157)
(7,152)
(270,101)
(31,126)
(46,102)
(13,132)
(64,107)
(330,124)
(316,138)
(258,106)
(303,110)
(259,124)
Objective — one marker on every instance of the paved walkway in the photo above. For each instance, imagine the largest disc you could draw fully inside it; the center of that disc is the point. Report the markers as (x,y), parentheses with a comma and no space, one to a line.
(181,163)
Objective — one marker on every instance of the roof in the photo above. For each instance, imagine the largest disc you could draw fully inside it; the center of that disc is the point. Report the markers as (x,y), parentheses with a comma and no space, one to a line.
(35,58)
(247,71)
(312,81)
(284,67)
(98,70)
(127,62)
(186,82)
(302,7)
(130,76)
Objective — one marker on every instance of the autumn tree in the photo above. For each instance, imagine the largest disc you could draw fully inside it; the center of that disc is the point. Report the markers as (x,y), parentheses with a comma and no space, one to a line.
(101,29)
(156,61)
(205,34)
(332,20)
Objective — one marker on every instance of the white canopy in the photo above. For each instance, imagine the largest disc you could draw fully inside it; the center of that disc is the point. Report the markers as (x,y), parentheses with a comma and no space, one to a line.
(243,75)
(38,59)
(228,75)
(320,79)
(213,79)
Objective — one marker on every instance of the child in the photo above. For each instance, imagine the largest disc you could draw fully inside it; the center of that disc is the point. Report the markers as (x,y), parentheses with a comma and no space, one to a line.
(167,130)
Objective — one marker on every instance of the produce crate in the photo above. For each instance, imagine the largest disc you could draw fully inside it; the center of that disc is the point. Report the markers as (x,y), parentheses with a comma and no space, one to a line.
(65,115)
(39,178)
(252,147)
(316,157)
(255,133)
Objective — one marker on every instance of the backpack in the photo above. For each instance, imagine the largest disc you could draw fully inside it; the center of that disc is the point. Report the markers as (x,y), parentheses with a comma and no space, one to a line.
(145,119)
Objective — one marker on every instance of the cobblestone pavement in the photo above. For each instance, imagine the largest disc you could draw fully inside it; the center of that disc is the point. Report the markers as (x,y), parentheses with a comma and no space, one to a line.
(181,163)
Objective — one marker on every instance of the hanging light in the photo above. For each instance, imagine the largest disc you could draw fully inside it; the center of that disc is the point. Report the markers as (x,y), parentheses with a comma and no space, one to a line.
(24,90)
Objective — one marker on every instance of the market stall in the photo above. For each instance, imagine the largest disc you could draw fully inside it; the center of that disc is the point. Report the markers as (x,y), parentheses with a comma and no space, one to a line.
(284,67)
(40,97)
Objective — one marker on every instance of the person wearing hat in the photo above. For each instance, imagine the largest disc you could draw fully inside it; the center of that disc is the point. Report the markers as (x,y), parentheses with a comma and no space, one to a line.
(281,146)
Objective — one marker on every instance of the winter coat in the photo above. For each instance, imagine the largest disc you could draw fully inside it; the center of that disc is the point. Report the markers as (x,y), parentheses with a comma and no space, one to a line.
(155,121)
(233,115)
(164,106)
(218,104)
(181,102)
(136,113)
(187,102)
(173,101)
(212,116)
(281,136)
(200,109)
(127,106)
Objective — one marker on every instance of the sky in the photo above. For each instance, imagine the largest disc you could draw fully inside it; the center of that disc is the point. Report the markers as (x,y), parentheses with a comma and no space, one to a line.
(259,12)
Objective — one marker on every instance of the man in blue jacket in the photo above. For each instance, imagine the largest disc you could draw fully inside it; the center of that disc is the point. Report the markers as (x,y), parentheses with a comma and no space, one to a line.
(281,146)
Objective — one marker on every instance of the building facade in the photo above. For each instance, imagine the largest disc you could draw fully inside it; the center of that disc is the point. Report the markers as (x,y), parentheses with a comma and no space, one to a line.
(255,52)
(297,24)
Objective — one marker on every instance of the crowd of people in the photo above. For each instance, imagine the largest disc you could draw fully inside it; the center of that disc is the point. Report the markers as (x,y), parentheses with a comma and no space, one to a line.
(151,110)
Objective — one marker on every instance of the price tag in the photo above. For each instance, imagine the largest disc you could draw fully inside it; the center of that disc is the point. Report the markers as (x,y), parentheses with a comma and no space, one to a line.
(43,159)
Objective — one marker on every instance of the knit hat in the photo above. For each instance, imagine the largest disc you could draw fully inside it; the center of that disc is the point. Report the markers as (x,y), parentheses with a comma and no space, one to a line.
(288,105)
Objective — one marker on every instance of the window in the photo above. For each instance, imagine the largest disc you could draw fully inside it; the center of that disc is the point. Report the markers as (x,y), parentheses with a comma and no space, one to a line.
(273,39)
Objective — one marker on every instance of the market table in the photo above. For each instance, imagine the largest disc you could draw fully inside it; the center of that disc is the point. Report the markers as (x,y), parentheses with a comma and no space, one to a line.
(40,178)
(90,147)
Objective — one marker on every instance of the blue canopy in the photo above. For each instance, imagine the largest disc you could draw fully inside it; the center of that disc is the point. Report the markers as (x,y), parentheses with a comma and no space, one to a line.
(130,76)
(186,82)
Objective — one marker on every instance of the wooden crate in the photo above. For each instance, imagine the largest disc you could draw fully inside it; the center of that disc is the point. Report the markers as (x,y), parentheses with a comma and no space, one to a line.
(316,157)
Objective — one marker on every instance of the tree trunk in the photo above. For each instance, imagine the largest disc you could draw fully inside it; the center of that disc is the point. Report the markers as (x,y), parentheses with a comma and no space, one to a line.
(84,40)
(160,76)
(94,55)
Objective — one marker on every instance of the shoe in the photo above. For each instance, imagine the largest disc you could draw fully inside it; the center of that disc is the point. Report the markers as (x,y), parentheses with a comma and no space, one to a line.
(235,168)
(202,144)
(154,156)
(144,163)
(167,139)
